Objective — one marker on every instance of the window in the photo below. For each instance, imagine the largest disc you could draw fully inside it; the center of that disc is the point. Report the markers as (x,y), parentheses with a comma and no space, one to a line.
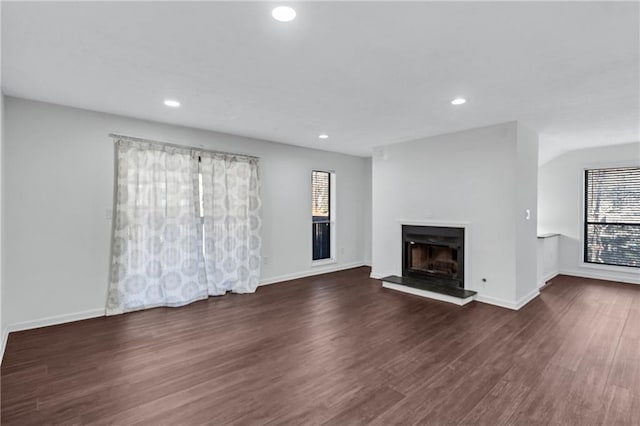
(321,215)
(612,216)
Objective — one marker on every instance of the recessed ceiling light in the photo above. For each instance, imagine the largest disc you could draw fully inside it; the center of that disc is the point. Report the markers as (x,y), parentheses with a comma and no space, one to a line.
(283,14)
(458,101)
(323,136)
(172,103)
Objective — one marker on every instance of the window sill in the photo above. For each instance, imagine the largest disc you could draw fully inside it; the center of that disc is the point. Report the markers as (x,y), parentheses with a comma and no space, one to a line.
(615,268)
(323,262)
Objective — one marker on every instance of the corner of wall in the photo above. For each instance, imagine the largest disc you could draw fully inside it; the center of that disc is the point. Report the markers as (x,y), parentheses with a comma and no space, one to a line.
(2,322)
(368,211)
(526,213)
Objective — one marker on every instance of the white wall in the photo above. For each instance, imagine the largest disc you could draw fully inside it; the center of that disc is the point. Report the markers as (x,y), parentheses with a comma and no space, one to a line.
(560,205)
(367,207)
(473,177)
(3,323)
(526,224)
(548,258)
(60,171)
(3,333)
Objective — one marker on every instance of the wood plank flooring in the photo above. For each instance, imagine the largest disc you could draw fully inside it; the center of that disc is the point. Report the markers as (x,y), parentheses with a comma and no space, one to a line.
(338,349)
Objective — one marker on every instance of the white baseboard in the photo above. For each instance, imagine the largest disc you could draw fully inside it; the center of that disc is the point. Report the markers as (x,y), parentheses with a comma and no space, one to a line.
(527,298)
(311,272)
(503,303)
(547,278)
(509,304)
(600,275)
(427,294)
(56,319)
(376,276)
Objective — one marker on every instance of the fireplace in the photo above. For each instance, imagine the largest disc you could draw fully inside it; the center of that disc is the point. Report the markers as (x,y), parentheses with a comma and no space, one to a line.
(433,253)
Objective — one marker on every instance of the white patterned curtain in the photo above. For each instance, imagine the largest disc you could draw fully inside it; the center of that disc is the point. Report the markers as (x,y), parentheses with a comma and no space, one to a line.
(186,226)
(157,249)
(231,205)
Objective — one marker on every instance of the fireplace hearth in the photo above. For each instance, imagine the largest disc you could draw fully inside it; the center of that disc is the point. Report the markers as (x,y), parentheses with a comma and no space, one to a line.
(432,264)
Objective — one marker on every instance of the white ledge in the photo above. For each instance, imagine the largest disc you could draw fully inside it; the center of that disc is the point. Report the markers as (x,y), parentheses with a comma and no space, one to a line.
(428,294)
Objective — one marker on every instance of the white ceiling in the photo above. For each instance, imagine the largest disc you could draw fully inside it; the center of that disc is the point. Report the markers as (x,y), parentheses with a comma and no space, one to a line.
(366,73)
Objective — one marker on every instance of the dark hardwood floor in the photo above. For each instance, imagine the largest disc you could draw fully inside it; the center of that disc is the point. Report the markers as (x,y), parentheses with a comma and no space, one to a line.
(341,350)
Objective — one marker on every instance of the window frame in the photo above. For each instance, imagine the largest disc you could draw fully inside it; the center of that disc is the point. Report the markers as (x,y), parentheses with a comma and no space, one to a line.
(582,261)
(332,217)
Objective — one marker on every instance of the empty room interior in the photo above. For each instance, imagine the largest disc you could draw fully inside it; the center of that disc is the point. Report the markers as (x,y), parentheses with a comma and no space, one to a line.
(305,213)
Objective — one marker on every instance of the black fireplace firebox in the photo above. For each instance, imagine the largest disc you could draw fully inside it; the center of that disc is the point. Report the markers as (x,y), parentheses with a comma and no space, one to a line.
(434,253)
